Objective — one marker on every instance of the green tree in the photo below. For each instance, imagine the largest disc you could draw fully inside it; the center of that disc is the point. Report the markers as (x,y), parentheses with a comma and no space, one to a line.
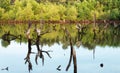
(61,12)
(114,14)
(71,13)
(5,43)
(26,13)
(1,12)
(5,4)
(8,15)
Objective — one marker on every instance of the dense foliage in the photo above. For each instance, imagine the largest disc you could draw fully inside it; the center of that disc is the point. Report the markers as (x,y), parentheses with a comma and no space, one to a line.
(59,9)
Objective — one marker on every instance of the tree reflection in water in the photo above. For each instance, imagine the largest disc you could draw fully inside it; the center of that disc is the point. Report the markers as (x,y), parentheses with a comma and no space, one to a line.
(8,37)
(27,59)
(37,43)
(87,36)
(72,53)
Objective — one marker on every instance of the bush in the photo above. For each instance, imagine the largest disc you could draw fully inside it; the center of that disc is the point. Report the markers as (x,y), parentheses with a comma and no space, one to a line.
(1,12)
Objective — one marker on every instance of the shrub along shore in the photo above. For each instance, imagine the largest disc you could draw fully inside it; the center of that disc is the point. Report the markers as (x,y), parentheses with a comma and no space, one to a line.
(59,10)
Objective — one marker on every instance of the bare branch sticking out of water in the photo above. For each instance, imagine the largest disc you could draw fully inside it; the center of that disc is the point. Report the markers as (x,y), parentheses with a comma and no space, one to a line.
(47,52)
(74,61)
(40,55)
(43,60)
(29,66)
(5,69)
(72,54)
(58,68)
(69,60)
(27,60)
(36,58)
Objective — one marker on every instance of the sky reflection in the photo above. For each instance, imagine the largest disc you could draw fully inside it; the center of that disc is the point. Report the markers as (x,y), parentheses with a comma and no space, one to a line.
(13,57)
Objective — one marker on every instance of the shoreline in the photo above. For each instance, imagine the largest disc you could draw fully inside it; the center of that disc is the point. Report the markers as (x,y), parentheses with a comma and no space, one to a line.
(59,21)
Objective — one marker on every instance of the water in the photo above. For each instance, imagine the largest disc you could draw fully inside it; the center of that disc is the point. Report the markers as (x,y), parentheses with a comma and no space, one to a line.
(13,57)
(88,56)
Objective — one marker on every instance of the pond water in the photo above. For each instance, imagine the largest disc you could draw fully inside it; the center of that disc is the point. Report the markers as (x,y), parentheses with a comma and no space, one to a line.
(87,49)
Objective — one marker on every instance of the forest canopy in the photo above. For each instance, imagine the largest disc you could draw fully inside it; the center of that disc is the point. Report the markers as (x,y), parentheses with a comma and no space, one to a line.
(59,9)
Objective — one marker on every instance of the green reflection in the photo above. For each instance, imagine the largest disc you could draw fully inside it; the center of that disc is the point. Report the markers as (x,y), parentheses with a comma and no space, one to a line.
(5,43)
(88,36)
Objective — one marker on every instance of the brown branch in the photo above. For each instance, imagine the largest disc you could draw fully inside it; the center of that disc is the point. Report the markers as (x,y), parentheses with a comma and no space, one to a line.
(43,60)
(27,60)
(72,54)
(47,52)
(69,60)
(74,61)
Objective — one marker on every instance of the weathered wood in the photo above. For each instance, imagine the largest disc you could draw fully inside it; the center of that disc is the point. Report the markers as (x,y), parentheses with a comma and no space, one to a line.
(72,53)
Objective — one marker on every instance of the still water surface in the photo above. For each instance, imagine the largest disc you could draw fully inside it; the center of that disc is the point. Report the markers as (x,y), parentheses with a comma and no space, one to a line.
(13,57)
(88,60)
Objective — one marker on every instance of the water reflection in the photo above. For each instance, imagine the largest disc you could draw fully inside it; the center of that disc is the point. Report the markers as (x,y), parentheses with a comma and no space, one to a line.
(40,52)
(5,69)
(73,52)
(73,36)
(7,37)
